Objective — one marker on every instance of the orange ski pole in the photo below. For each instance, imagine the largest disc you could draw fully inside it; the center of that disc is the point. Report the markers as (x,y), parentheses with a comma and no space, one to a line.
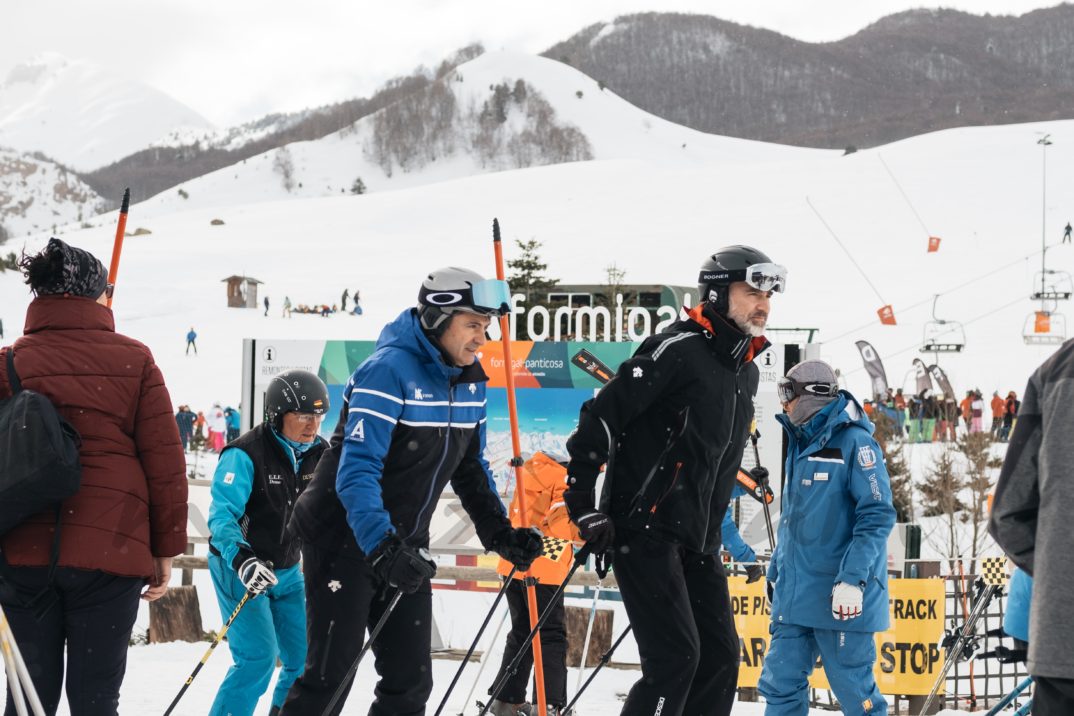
(516,463)
(117,246)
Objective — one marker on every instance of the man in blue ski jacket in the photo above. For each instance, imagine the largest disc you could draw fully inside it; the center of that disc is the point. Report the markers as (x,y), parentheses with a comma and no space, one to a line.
(414,420)
(257,481)
(828,576)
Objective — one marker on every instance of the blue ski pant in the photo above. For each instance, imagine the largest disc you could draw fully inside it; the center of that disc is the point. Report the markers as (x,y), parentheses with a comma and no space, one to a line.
(270,625)
(848,659)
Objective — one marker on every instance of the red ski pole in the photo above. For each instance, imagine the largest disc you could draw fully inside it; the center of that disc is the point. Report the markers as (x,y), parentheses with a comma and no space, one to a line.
(117,246)
(516,463)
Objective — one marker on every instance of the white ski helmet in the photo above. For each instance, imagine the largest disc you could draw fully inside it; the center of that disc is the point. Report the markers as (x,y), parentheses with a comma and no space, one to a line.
(451,289)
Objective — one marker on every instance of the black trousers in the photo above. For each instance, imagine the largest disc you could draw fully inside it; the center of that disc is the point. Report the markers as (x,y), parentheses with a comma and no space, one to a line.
(553,647)
(343,600)
(1053,697)
(93,617)
(680,609)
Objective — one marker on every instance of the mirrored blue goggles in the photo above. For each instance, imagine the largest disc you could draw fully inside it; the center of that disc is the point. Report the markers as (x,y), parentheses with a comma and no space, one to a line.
(491,296)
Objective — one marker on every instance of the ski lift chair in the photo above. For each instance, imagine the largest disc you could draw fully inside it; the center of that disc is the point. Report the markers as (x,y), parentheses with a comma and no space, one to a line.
(1044,328)
(942,336)
(1052,285)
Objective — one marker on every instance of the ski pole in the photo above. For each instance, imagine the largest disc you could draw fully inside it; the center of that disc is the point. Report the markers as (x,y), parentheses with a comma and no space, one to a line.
(516,463)
(764,502)
(117,245)
(579,559)
(484,661)
(209,652)
(603,661)
(588,634)
(480,631)
(358,659)
(953,655)
(13,659)
(1006,700)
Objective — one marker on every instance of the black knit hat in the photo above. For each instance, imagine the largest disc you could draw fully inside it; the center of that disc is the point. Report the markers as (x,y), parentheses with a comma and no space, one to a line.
(76,272)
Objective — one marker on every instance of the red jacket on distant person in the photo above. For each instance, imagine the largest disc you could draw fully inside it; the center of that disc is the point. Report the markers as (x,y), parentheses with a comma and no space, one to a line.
(132,505)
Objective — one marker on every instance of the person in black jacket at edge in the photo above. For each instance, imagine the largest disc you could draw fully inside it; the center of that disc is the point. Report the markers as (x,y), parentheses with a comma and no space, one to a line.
(413,420)
(671,427)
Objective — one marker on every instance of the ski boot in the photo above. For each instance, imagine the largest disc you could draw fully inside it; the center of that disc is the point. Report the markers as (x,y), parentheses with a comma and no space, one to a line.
(502,708)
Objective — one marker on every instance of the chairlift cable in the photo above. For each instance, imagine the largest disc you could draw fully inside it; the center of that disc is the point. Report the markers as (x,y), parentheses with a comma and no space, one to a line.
(917,344)
(904,311)
(904,196)
(849,255)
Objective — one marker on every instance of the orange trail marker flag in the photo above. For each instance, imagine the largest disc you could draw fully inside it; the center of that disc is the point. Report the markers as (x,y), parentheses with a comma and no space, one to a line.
(887,315)
(934,244)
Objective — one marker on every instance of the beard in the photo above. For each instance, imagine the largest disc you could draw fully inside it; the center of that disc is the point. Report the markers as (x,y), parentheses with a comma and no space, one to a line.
(747,326)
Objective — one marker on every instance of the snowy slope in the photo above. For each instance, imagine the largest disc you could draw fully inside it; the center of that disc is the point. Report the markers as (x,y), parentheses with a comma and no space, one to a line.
(83,115)
(36,194)
(614,129)
(977,188)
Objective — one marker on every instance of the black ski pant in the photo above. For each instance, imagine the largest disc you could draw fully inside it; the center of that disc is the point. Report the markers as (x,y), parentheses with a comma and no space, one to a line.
(1053,697)
(678,604)
(343,601)
(553,647)
(93,616)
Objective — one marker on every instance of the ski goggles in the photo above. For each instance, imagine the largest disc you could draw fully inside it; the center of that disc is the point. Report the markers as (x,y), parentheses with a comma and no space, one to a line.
(488,297)
(788,389)
(763,277)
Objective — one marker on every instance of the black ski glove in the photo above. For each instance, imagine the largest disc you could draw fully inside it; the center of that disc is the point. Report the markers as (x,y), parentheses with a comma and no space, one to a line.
(399,565)
(595,527)
(753,573)
(763,491)
(518,545)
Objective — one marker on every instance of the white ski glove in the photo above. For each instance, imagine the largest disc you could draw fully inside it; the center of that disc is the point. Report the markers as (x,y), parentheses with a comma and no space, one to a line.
(256,576)
(846,601)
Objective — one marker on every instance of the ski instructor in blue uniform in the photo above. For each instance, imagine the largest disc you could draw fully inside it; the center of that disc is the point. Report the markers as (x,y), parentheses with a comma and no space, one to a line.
(414,420)
(671,426)
(257,480)
(828,576)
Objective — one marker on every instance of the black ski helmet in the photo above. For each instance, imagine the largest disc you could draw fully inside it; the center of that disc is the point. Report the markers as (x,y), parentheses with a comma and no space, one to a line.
(723,268)
(446,291)
(294,391)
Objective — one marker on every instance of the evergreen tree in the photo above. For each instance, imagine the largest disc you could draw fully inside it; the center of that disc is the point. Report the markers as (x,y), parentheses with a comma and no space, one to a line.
(981,467)
(528,273)
(939,496)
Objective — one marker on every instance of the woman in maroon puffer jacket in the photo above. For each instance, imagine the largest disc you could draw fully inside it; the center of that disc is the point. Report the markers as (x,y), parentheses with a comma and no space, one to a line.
(120,531)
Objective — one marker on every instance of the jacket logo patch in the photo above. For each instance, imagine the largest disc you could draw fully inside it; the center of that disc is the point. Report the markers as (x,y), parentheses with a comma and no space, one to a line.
(473,388)
(820,476)
(866,457)
(806,481)
(275,479)
(229,477)
(418,395)
(335,586)
(359,430)
(638,372)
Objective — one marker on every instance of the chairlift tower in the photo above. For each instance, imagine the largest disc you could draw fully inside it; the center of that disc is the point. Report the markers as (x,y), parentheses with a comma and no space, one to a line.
(1046,326)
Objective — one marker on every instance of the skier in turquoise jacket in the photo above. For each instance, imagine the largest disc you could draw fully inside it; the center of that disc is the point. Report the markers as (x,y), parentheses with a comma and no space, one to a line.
(828,576)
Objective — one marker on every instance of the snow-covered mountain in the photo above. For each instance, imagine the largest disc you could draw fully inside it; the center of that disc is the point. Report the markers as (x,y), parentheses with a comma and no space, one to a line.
(36,195)
(501,111)
(82,115)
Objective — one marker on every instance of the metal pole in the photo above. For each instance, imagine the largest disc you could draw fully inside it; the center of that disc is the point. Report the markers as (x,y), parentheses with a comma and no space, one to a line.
(13,658)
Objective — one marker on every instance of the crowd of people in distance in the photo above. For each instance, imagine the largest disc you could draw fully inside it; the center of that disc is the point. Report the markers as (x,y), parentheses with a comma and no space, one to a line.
(933,417)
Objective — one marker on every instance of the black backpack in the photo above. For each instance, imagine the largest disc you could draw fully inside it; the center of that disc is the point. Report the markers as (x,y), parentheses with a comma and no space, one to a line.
(39,465)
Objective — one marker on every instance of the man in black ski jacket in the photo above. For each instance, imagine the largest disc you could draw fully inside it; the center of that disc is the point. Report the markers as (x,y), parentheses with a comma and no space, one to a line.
(413,421)
(671,427)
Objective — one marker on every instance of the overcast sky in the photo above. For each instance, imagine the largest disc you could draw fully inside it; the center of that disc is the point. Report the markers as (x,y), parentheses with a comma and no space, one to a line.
(235,60)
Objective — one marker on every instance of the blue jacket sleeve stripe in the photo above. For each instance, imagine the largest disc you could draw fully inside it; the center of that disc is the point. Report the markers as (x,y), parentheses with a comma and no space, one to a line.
(365,445)
(367,411)
(232,483)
